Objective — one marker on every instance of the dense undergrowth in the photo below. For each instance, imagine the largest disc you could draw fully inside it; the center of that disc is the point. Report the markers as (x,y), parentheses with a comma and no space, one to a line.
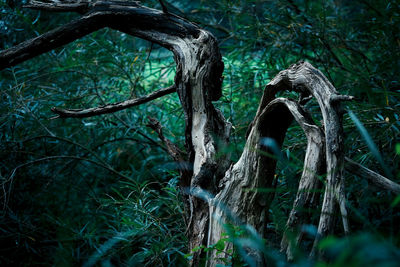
(103,190)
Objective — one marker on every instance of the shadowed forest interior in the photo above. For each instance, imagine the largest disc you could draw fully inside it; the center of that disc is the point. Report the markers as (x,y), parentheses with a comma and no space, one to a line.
(104,191)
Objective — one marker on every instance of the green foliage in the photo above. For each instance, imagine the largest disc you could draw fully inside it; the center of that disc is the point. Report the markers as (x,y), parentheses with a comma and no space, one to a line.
(361,250)
(102,190)
(219,247)
(144,226)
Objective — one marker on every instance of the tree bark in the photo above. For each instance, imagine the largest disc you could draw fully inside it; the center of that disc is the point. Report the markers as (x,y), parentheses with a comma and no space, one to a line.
(254,170)
(198,82)
(314,164)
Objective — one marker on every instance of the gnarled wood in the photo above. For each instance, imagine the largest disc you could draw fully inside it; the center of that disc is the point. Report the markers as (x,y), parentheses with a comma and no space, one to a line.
(305,78)
(226,194)
(314,164)
(253,170)
(198,80)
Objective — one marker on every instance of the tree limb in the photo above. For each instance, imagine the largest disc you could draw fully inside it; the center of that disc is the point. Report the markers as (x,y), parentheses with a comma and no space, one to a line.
(184,167)
(164,8)
(79,7)
(76,6)
(110,108)
(304,78)
(198,82)
(373,177)
(314,164)
(51,40)
(128,17)
(174,151)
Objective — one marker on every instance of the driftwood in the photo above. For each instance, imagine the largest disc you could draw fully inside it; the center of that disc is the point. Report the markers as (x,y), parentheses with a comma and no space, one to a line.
(221,192)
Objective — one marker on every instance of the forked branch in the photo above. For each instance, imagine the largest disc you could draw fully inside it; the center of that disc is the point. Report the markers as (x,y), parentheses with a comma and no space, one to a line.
(174,151)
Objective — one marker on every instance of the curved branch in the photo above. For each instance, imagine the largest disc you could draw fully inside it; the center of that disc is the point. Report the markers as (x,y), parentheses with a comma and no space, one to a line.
(79,7)
(174,151)
(253,171)
(110,108)
(314,162)
(51,40)
(128,17)
(303,77)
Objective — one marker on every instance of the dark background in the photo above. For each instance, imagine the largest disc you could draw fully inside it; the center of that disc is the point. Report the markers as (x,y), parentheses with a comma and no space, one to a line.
(103,191)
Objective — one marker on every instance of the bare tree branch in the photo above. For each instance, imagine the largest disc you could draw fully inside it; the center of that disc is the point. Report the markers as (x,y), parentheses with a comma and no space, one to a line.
(314,164)
(304,77)
(337,98)
(128,17)
(110,108)
(173,150)
(76,6)
(164,8)
(79,7)
(373,177)
(185,168)
(51,40)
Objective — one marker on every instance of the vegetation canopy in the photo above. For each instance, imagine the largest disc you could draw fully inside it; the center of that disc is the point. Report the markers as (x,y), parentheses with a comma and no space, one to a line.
(167,149)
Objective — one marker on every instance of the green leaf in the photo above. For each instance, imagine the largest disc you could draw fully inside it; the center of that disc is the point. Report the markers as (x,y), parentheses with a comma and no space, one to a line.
(398,148)
(370,143)
(220,245)
(327,242)
(198,248)
(395,201)
(188,256)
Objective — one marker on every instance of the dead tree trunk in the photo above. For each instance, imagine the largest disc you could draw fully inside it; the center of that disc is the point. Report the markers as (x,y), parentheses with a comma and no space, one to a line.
(198,82)
(220,193)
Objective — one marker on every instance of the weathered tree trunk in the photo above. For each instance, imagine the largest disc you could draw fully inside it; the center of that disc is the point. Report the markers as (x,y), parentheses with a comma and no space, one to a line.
(198,82)
(221,193)
(254,170)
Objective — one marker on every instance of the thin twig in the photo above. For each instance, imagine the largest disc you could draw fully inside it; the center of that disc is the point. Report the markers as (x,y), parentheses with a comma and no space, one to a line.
(164,8)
